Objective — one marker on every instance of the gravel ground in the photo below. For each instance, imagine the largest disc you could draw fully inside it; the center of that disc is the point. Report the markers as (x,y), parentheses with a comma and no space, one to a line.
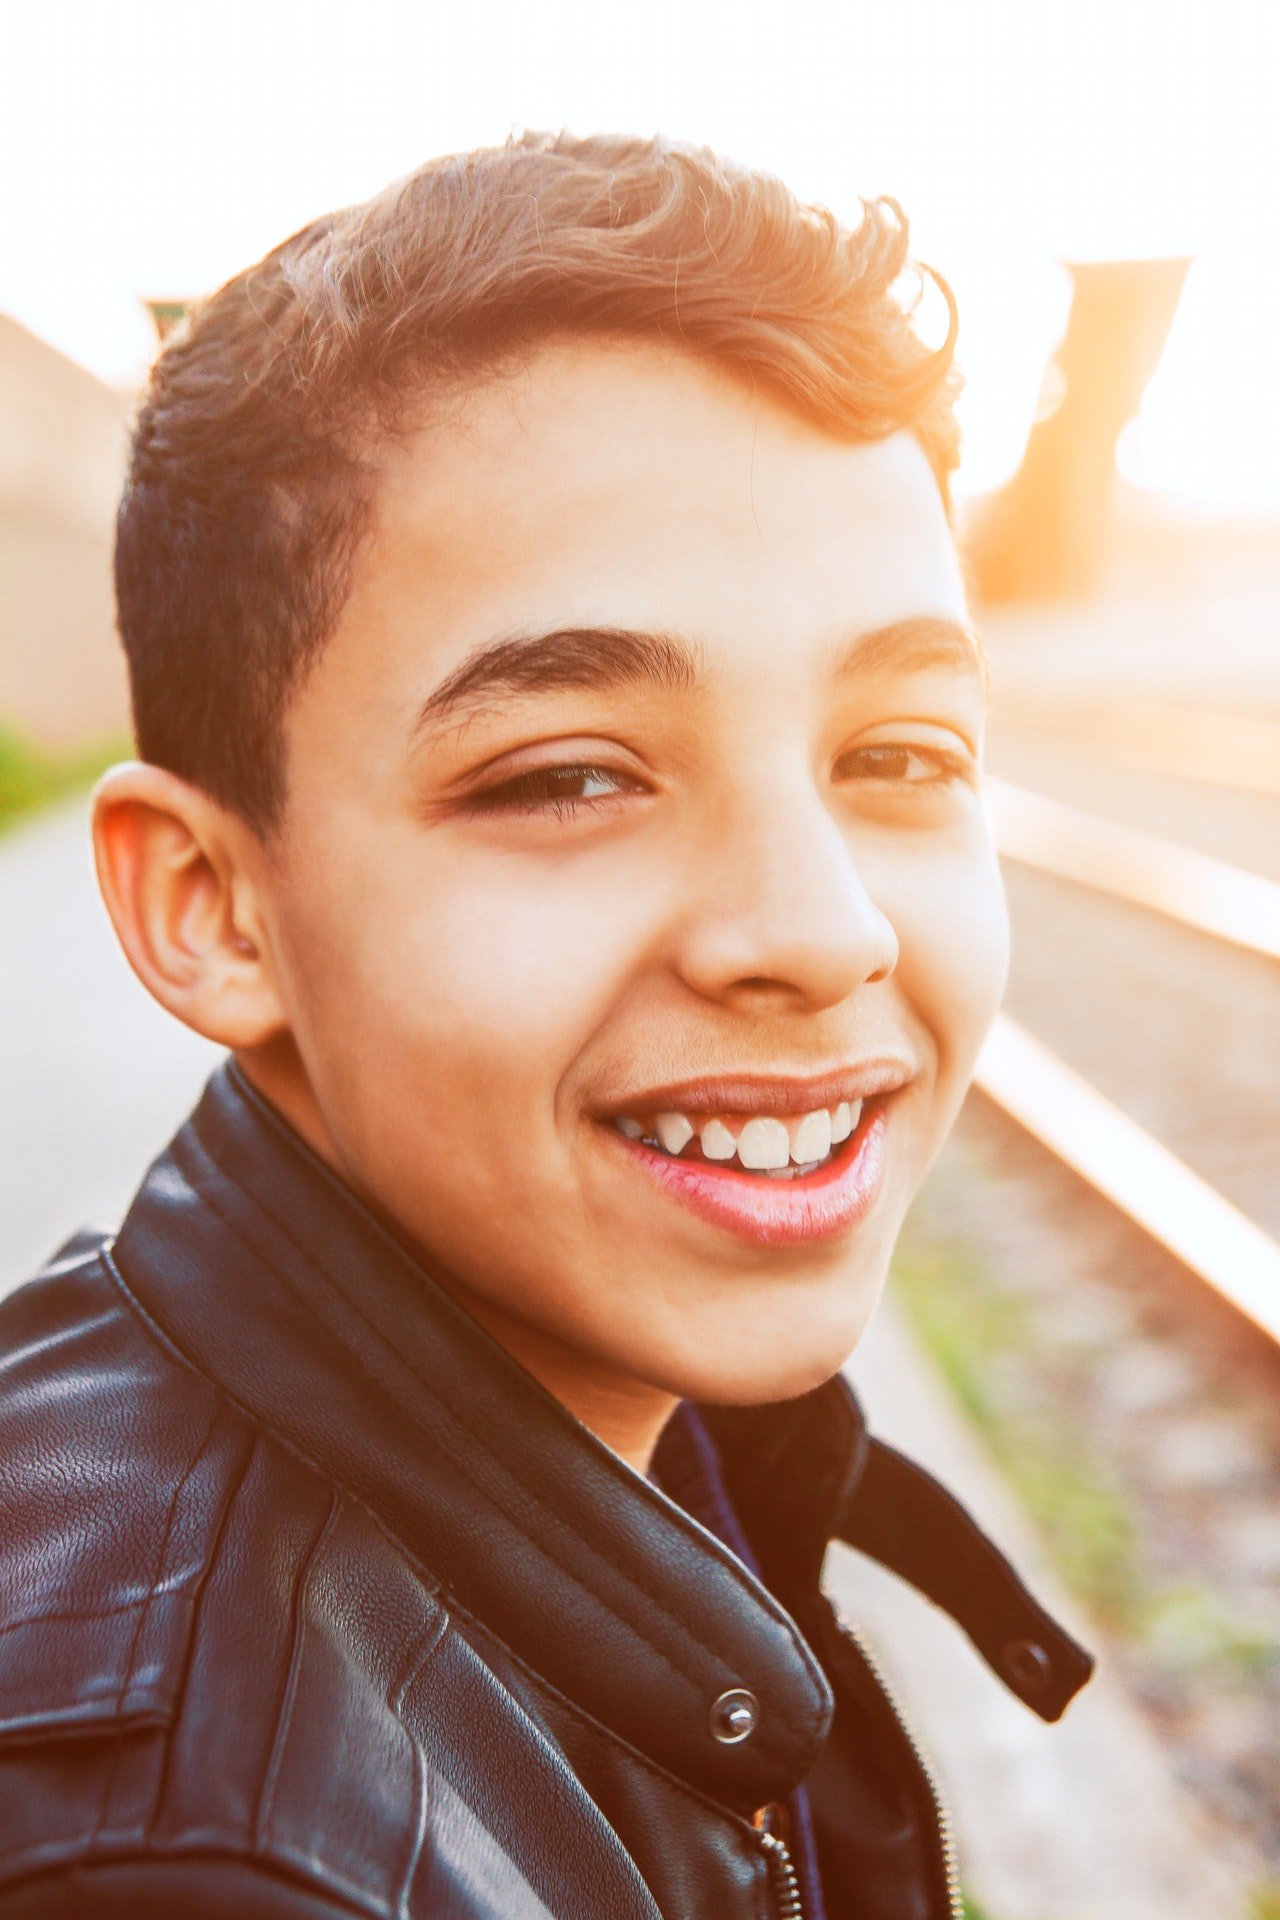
(1158,1409)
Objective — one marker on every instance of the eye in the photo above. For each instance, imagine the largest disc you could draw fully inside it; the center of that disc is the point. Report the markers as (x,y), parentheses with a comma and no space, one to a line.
(901,763)
(562,790)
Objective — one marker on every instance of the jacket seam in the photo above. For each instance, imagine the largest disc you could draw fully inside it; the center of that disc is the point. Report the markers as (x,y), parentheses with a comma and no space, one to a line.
(98,1613)
(126,1679)
(197,1604)
(284,1712)
(423,1649)
(773,1611)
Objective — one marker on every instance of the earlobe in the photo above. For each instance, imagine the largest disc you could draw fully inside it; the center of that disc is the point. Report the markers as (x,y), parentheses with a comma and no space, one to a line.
(171,867)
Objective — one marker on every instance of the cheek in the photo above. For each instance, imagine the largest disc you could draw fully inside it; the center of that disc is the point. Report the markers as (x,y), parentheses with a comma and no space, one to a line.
(953,927)
(477,981)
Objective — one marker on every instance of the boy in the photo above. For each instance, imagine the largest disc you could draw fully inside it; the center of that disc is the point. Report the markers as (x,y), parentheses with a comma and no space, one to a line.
(559,790)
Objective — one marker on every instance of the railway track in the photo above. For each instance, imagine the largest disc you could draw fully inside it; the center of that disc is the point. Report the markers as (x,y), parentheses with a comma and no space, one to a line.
(1124,1164)
(1076,1121)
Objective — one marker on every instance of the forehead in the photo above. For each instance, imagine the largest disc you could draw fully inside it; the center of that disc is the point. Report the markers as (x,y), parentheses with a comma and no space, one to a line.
(617,485)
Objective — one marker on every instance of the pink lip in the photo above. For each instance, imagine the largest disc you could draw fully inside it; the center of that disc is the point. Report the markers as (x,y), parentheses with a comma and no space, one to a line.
(776,1213)
(766,1093)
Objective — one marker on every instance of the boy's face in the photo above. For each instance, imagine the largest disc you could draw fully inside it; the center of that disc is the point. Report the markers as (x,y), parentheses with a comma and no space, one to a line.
(726,831)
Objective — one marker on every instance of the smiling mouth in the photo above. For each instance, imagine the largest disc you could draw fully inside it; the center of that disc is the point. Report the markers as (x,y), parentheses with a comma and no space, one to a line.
(806,1196)
(764,1145)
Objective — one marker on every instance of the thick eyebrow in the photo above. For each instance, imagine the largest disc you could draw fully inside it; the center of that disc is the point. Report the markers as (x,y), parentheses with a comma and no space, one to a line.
(913,646)
(604,659)
(599,658)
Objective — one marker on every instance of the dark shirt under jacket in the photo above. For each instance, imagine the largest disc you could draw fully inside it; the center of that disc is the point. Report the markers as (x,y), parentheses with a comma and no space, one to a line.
(314,1604)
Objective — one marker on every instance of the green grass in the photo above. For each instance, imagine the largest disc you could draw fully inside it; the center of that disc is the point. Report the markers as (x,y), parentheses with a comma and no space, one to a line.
(985,1344)
(980,1341)
(32,776)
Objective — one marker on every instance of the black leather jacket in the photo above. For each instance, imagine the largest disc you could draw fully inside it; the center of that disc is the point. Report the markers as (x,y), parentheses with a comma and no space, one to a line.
(313,1603)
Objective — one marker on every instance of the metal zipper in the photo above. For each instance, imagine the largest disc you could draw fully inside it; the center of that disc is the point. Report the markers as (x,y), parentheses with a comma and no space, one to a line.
(946,1832)
(782,1872)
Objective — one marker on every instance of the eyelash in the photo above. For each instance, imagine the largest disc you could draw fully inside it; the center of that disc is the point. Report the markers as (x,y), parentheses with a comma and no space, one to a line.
(517,796)
(521,796)
(948,765)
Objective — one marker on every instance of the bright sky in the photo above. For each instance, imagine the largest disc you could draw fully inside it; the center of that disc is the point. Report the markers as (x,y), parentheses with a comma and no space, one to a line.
(155,148)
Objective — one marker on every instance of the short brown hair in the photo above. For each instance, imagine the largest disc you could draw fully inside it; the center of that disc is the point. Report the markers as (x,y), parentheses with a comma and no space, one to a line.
(251,480)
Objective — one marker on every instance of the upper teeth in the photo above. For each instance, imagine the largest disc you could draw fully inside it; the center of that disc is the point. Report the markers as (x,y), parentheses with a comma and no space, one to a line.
(763,1143)
(674,1131)
(717,1141)
(811,1136)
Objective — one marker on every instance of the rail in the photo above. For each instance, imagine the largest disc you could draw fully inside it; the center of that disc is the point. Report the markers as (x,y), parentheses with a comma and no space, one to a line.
(1142,868)
(1121,1161)
(1187,743)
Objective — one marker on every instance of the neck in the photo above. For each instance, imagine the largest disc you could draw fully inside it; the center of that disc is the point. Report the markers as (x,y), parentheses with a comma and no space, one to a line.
(627,1414)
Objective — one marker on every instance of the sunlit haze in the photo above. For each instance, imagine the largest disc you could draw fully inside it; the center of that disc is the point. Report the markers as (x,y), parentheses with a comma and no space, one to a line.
(152,150)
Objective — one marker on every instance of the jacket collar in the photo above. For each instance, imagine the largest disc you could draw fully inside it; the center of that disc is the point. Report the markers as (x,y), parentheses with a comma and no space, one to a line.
(271,1277)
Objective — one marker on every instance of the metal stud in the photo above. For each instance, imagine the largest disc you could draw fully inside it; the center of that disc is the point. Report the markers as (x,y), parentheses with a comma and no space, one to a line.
(734,1716)
(1028,1665)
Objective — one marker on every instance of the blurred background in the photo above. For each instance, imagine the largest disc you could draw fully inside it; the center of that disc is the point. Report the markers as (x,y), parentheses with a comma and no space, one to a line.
(1083,1327)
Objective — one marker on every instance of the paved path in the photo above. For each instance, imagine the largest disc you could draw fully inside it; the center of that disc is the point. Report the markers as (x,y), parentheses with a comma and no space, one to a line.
(93,1076)
(1075,1823)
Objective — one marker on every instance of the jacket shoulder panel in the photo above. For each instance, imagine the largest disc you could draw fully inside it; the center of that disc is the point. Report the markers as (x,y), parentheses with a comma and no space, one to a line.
(115,1467)
(390,1763)
(209,1649)
(290,1742)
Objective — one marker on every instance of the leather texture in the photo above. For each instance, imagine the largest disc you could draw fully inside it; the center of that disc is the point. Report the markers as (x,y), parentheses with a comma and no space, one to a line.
(314,1603)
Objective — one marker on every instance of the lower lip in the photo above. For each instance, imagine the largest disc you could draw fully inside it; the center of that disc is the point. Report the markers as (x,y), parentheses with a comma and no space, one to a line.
(776,1213)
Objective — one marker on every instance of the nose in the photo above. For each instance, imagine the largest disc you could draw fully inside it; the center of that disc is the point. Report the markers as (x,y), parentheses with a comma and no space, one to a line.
(780,913)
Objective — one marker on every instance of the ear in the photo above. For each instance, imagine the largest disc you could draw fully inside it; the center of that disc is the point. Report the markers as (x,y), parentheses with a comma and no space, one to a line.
(178,875)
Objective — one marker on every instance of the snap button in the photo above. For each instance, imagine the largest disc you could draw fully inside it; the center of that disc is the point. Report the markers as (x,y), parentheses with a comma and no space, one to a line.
(1027,1665)
(734,1716)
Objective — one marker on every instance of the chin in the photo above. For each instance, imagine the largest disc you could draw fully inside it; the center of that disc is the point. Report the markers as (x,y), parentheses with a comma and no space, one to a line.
(755,1373)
